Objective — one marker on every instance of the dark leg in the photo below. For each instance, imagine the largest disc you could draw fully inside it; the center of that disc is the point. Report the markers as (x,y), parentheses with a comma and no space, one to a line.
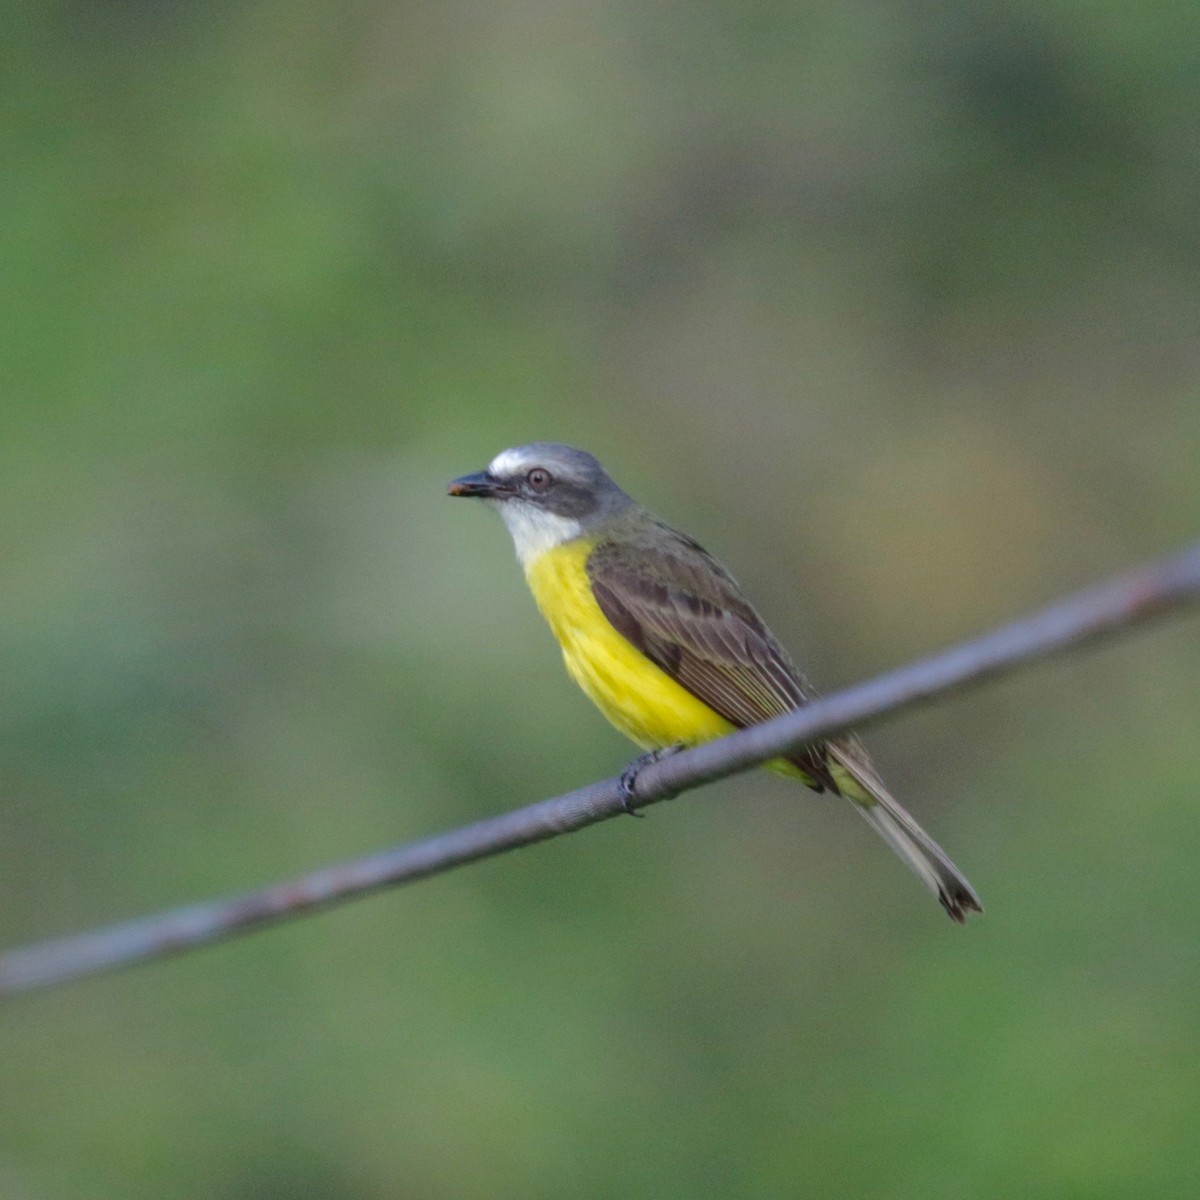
(629,776)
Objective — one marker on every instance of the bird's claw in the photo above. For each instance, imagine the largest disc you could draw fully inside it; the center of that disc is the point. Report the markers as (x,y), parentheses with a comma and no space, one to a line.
(627,788)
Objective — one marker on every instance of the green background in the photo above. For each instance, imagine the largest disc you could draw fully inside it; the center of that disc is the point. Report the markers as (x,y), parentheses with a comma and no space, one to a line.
(892,305)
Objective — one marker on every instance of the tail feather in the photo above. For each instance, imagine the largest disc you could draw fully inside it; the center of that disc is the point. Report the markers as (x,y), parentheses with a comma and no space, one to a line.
(857,780)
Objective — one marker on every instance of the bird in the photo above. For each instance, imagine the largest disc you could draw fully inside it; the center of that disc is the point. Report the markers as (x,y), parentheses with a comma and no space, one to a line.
(660,637)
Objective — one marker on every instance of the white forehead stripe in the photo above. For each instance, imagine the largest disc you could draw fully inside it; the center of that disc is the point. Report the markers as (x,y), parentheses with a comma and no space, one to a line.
(510,462)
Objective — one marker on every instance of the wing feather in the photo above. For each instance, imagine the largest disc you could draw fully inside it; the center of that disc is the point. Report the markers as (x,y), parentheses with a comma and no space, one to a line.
(685,612)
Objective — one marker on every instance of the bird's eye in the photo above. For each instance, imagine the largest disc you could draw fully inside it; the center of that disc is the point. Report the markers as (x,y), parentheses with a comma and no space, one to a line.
(539,479)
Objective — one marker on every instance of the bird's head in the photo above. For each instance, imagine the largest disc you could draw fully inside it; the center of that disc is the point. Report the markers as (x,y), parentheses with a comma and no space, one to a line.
(546,493)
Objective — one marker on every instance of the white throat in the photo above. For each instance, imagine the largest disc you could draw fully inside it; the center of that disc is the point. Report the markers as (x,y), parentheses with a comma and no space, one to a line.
(534,530)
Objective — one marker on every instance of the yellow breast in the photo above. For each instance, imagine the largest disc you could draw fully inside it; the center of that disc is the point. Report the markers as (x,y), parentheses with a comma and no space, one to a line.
(640,699)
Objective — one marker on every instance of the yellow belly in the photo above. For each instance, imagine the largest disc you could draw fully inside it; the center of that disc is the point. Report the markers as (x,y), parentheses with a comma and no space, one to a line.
(640,699)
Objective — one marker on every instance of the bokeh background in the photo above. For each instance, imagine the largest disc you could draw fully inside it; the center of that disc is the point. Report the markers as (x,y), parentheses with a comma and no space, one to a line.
(893,305)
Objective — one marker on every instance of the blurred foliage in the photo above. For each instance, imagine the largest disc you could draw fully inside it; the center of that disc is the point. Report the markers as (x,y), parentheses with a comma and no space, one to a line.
(893,305)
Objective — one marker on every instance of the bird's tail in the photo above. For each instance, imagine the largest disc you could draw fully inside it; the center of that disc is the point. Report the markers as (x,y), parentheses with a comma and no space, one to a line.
(857,780)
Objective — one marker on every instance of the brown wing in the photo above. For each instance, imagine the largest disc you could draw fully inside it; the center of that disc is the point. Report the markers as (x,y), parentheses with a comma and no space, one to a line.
(673,601)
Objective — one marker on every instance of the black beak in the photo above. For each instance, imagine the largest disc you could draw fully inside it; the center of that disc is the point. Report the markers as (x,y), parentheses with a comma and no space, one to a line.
(481,485)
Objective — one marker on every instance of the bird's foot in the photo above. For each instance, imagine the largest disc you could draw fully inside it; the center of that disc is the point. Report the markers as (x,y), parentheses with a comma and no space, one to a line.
(628,784)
